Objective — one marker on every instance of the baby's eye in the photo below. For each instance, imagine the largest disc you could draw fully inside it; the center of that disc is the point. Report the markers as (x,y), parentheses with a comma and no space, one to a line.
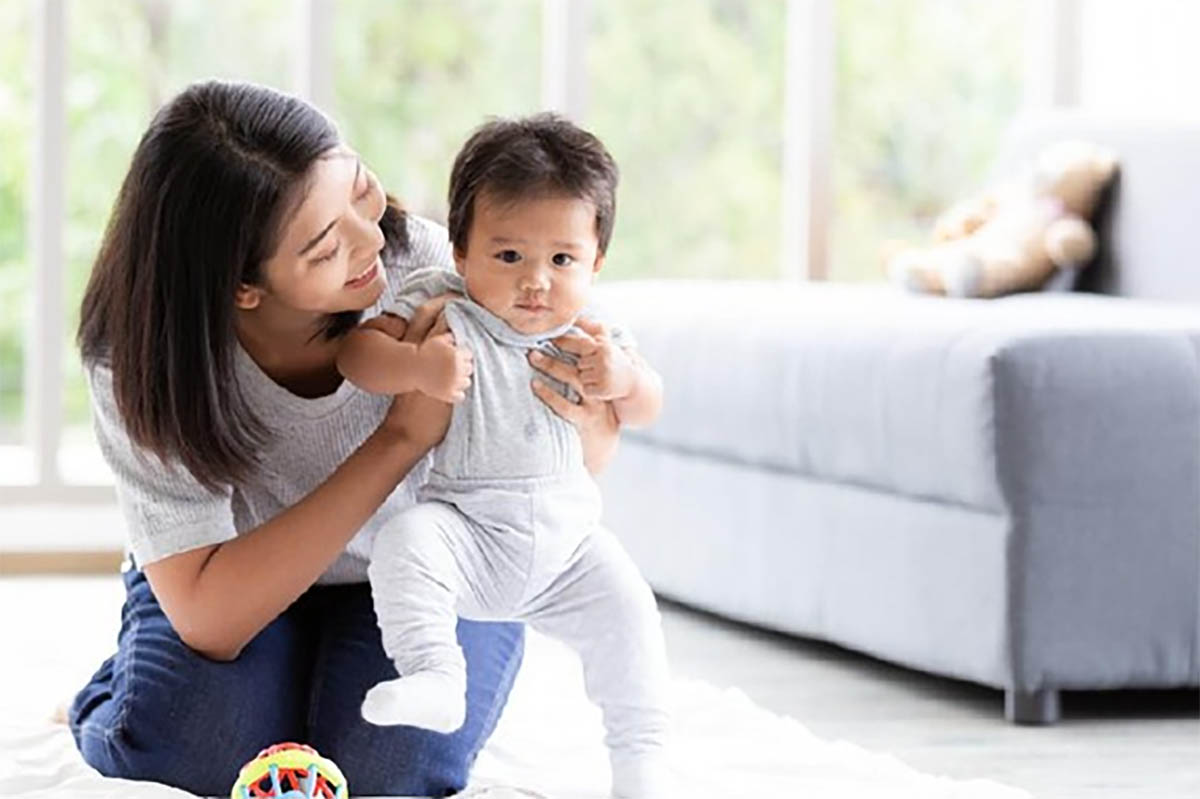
(509,256)
(562,259)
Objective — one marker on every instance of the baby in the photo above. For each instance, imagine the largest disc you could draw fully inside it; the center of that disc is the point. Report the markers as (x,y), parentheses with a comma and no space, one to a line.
(508,526)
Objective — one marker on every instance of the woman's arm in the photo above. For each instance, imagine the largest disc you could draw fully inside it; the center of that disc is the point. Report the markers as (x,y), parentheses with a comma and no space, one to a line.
(219,597)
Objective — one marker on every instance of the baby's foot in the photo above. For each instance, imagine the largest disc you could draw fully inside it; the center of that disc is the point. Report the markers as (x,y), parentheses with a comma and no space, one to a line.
(642,778)
(433,700)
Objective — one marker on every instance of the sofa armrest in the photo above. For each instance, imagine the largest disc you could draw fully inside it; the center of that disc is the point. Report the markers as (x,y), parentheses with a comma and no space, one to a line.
(1097,442)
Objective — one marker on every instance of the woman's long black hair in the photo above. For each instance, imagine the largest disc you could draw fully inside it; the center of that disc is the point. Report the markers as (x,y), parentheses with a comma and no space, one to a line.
(201,209)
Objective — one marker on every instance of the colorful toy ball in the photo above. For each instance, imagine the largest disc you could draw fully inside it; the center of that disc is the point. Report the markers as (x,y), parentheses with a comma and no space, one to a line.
(290,771)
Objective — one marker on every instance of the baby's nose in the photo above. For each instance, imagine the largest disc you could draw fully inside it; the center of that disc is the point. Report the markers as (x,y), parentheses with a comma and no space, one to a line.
(535,280)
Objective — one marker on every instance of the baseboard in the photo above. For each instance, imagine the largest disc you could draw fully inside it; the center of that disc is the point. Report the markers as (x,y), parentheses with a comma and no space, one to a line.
(61,539)
(101,561)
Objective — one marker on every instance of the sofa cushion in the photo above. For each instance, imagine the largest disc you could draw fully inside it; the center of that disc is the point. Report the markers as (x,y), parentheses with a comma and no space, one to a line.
(853,384)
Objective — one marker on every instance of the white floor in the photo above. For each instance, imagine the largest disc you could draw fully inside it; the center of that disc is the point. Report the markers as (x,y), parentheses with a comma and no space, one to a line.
(1127,744)
(1124,744)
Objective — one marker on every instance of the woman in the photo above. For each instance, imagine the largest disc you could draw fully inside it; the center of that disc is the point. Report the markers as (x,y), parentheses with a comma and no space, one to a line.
(246,241)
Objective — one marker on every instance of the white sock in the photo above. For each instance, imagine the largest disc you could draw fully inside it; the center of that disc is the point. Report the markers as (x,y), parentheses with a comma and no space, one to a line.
(645,777)
(433,700)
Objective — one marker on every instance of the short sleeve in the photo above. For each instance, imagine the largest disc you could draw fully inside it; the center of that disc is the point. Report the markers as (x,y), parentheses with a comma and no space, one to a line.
(420,287)
(166,510)
(428,246)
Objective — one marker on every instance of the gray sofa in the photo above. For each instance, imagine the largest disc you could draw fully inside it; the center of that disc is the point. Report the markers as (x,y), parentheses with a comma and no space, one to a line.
(1003,491)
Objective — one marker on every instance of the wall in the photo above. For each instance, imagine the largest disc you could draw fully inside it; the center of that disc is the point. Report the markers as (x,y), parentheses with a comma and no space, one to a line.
(1141,57)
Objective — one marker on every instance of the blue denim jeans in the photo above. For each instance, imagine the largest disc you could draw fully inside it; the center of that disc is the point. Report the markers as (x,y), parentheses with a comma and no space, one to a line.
(159,711)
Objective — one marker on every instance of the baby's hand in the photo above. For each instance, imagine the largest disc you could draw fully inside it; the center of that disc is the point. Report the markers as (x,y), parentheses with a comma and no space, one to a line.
(605,369)
(445,370)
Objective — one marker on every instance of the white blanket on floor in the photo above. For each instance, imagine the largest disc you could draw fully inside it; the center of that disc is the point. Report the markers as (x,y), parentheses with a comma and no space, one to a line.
(549,745)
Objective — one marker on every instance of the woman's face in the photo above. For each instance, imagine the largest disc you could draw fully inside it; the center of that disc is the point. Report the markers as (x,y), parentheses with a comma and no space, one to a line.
(328,255)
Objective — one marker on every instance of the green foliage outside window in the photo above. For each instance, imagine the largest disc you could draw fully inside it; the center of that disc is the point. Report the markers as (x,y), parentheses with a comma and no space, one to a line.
(688,97)
(413,79)
(924,90)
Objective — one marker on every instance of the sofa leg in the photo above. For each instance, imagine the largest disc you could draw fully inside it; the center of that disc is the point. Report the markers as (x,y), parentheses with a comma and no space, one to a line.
(1031,707)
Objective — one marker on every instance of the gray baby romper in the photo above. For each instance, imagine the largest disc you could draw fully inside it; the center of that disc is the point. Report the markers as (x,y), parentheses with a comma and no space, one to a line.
(508,527)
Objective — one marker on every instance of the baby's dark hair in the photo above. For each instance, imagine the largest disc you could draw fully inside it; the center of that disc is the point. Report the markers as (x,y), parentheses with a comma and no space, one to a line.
(513,159)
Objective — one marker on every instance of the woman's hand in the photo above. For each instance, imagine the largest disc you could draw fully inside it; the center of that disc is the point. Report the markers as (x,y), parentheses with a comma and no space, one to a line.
(417,418)
(596,421)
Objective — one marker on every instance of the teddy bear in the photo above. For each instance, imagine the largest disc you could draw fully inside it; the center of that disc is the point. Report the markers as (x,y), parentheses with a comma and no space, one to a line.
(1015,236)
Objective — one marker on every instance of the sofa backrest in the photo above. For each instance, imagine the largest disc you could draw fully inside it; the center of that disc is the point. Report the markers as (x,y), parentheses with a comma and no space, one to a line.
(1149,222)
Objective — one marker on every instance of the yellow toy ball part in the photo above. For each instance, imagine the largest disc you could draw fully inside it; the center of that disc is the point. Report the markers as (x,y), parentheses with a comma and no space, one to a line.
(290,771)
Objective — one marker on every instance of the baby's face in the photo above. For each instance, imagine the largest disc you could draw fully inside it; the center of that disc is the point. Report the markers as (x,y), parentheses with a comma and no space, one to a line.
(531,262)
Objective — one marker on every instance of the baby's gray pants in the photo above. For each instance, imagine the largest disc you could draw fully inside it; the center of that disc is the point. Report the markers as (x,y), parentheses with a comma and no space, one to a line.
(518,556)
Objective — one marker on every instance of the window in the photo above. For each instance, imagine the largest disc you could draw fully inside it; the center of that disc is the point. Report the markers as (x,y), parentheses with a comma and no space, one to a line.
(690,98)
(687,97)
(413,79)
(16,111)
(924,91)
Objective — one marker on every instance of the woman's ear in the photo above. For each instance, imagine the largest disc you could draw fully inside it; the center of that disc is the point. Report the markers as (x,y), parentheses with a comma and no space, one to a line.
(460,262)
(599,263)
(247,297)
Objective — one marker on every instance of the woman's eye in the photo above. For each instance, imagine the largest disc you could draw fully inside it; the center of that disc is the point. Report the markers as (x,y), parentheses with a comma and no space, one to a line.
(327,256)
(509,256)
(562,259)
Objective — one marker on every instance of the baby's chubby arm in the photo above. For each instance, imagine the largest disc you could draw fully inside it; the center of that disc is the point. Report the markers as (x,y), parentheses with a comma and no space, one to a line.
(609,371)
(391,354)
(376,357)
(642,405)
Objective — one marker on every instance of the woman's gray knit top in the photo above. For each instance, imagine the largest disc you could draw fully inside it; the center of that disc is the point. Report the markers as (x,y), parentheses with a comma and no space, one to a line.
(167,511)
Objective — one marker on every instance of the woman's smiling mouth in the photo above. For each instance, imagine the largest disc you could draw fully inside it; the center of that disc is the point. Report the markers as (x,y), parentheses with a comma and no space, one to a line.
(364,277)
